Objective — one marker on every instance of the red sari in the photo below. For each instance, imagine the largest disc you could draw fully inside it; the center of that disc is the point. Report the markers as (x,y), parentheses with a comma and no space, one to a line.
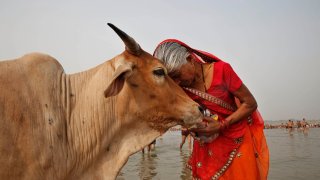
(240,151)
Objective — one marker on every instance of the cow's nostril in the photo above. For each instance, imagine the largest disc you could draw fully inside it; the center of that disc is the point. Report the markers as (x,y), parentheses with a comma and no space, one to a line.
(201,109)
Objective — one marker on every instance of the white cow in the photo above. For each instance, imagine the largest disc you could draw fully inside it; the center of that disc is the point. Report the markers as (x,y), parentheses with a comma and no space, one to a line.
(84,125)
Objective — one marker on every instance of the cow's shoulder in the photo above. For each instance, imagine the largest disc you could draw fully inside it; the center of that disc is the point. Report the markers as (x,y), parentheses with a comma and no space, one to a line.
(41,62)
(36,71)
(30,66)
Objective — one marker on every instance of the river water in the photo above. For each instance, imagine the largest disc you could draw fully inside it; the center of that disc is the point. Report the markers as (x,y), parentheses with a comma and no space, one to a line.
(294,155)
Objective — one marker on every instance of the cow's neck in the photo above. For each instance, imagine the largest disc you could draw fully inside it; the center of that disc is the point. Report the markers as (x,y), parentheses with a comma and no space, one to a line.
(97,136)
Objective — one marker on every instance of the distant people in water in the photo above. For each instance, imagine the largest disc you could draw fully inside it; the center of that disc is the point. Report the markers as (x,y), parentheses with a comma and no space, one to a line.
(299,125)
(185,134)
(289,124)
(150,146)
(304,123)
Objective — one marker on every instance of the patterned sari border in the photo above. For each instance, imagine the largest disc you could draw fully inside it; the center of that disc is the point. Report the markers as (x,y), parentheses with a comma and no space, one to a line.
(219,173)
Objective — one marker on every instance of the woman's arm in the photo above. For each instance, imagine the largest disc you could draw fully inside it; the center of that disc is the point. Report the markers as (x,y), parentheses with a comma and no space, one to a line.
(247,105)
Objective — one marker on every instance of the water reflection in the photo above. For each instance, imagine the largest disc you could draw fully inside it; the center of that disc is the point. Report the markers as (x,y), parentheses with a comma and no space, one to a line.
(294,154)
(290,130)
(147,165)
(185,172)
(304,130)
(166,161)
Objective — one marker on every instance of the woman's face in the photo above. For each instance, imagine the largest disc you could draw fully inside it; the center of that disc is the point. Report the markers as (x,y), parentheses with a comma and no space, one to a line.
(185,75)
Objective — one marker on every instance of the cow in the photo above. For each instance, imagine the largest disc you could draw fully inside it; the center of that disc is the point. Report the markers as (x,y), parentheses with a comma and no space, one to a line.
(85,125)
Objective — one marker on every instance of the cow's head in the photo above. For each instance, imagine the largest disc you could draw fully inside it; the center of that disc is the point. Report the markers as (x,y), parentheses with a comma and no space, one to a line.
(142,84)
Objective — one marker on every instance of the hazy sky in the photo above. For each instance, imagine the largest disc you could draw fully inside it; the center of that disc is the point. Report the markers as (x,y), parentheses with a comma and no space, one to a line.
(273,45)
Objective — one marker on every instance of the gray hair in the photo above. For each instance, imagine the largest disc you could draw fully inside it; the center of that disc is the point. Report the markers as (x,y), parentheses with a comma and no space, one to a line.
(172,54)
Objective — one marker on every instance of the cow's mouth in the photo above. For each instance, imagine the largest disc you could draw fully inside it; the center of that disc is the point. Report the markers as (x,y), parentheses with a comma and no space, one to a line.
(193,123)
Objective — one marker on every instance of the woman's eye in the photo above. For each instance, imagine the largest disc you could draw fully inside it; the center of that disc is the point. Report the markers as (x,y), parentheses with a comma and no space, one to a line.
(159,72)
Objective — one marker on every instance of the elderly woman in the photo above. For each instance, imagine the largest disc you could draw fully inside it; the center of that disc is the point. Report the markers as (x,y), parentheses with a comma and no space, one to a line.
(230,143)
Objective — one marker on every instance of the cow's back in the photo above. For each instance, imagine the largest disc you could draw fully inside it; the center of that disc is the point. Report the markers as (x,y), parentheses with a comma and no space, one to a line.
(31,115)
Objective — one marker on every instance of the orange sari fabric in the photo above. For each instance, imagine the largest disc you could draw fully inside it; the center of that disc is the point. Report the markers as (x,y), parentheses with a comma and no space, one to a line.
(252,159)
(227,158)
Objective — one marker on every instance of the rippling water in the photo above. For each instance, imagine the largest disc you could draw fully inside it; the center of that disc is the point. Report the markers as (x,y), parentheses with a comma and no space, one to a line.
(293,155)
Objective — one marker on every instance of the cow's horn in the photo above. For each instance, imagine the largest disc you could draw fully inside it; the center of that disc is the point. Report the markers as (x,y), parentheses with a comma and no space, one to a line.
(131,45)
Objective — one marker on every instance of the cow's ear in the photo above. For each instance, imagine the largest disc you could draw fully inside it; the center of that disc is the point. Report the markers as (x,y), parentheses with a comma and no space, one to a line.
(122,71)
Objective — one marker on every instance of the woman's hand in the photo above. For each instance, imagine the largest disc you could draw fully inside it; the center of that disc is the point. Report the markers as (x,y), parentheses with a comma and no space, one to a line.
(204,139)
(206,130)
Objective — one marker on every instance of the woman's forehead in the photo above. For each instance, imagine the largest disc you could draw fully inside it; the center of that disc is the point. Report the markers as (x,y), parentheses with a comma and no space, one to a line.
(174,74)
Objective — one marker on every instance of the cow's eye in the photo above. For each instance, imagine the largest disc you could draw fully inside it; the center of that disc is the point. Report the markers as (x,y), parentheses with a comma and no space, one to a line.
(159,72)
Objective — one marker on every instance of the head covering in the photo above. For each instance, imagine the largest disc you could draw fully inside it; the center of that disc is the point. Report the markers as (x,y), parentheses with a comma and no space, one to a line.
(200,56)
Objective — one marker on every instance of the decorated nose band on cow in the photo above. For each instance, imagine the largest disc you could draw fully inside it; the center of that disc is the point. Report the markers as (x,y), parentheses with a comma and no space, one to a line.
(85,125)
